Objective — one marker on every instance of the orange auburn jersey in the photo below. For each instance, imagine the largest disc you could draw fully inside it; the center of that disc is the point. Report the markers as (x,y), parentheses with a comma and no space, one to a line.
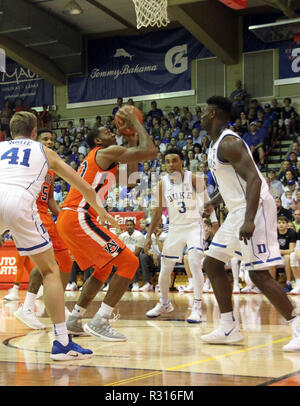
(100,180)
(43,199)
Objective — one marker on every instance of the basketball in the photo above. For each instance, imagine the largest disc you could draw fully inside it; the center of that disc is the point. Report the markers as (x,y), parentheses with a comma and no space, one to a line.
(120,122)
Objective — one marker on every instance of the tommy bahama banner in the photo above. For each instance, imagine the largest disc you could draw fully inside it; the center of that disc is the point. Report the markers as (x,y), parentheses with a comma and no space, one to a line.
(19,82)
(158,62)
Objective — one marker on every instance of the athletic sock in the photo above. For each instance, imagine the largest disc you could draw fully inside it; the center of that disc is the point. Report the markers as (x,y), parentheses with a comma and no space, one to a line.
(105,311)
(78,311)
(29,301)
(227,319)
(61,333)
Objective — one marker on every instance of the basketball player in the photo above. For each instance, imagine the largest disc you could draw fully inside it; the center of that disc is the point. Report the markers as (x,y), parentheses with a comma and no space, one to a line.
(250,227)
(24,164)
(179,191)
(93,245)
(45,201)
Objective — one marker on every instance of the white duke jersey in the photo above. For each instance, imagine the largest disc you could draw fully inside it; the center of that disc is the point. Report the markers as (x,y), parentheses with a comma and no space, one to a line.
(23,164)
(231,186)
(181,199)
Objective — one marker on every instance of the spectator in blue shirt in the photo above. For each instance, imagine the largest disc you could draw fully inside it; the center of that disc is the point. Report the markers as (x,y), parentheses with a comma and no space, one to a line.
(238,98)
(269,114)
(181,140)
(197,138)
(155,112)
(254,140)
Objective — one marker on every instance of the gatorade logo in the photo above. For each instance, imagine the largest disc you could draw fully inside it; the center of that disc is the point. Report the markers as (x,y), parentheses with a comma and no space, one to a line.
(296,60)
(176,59)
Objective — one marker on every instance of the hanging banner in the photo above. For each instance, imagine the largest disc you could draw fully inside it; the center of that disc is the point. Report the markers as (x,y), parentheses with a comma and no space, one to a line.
(289,60)
(18,82)
(153,63)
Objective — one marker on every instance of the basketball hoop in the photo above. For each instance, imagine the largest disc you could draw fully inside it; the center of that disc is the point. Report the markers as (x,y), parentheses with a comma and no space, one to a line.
(151,12)
(289,50)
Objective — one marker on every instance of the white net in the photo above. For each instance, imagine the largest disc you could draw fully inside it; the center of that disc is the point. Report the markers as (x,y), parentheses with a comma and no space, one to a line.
(151,12)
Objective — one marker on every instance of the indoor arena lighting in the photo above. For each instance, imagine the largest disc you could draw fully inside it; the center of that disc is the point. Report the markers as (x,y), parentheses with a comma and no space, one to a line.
(72,8)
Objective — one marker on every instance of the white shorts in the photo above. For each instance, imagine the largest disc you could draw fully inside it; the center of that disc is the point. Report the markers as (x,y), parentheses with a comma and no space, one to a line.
(18,213)
(262,249)
(179,236)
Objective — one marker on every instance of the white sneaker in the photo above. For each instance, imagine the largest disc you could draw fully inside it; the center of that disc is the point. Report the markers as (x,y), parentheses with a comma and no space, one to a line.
(159,309)
(105,289)
(294,344)
(40,292)
(13,294)
(146,288)
(71,286)
(29,318)
(255,290)
(246,289)
(295,291)
(135,287)
(188,289)
(196,314)
(206,287)
(222,336)
(236,288)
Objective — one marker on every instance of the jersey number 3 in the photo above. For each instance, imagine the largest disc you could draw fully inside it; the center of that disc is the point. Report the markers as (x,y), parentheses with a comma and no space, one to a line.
(182,208)
(13,156)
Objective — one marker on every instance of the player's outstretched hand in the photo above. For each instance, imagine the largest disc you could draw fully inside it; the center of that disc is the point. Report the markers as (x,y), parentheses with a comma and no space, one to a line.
(246,231)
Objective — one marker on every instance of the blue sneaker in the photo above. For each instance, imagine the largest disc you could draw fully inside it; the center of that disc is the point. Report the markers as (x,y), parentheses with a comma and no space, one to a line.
(72,351)
(288,287)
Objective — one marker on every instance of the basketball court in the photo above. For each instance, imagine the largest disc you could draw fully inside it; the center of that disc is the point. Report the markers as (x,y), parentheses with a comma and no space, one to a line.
(161,352)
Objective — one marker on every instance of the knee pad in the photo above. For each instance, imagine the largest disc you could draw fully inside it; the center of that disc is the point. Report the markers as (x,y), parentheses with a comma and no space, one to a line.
(293,260)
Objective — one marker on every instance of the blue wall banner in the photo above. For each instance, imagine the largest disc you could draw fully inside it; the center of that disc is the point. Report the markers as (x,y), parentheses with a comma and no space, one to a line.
(153,63)
(19,82)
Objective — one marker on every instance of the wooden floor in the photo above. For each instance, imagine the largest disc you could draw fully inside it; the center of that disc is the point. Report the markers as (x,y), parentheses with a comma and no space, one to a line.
(162,352)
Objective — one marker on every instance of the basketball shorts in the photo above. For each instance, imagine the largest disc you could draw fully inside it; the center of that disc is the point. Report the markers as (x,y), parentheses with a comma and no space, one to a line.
(58,244)
(18,213)
(179,236)
(261,251)
(90,243)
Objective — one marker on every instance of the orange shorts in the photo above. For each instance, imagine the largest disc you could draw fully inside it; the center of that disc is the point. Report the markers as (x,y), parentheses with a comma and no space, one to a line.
(90,243)
(24,264)
(58,244)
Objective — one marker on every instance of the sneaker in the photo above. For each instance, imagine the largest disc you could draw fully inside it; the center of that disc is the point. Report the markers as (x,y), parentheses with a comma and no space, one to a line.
(29,318)
(288,287)
(255,290)
(100,327)
(295,291)
(13,295)
(147,287)
(74,326)
(246,289)
(71,287)
(221,336)
(135,287)
(188,289)
(72,351)
(159,309)
(236,288)
(206,287)
(40,292)
(196,314)
(105,289)
(293,345)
